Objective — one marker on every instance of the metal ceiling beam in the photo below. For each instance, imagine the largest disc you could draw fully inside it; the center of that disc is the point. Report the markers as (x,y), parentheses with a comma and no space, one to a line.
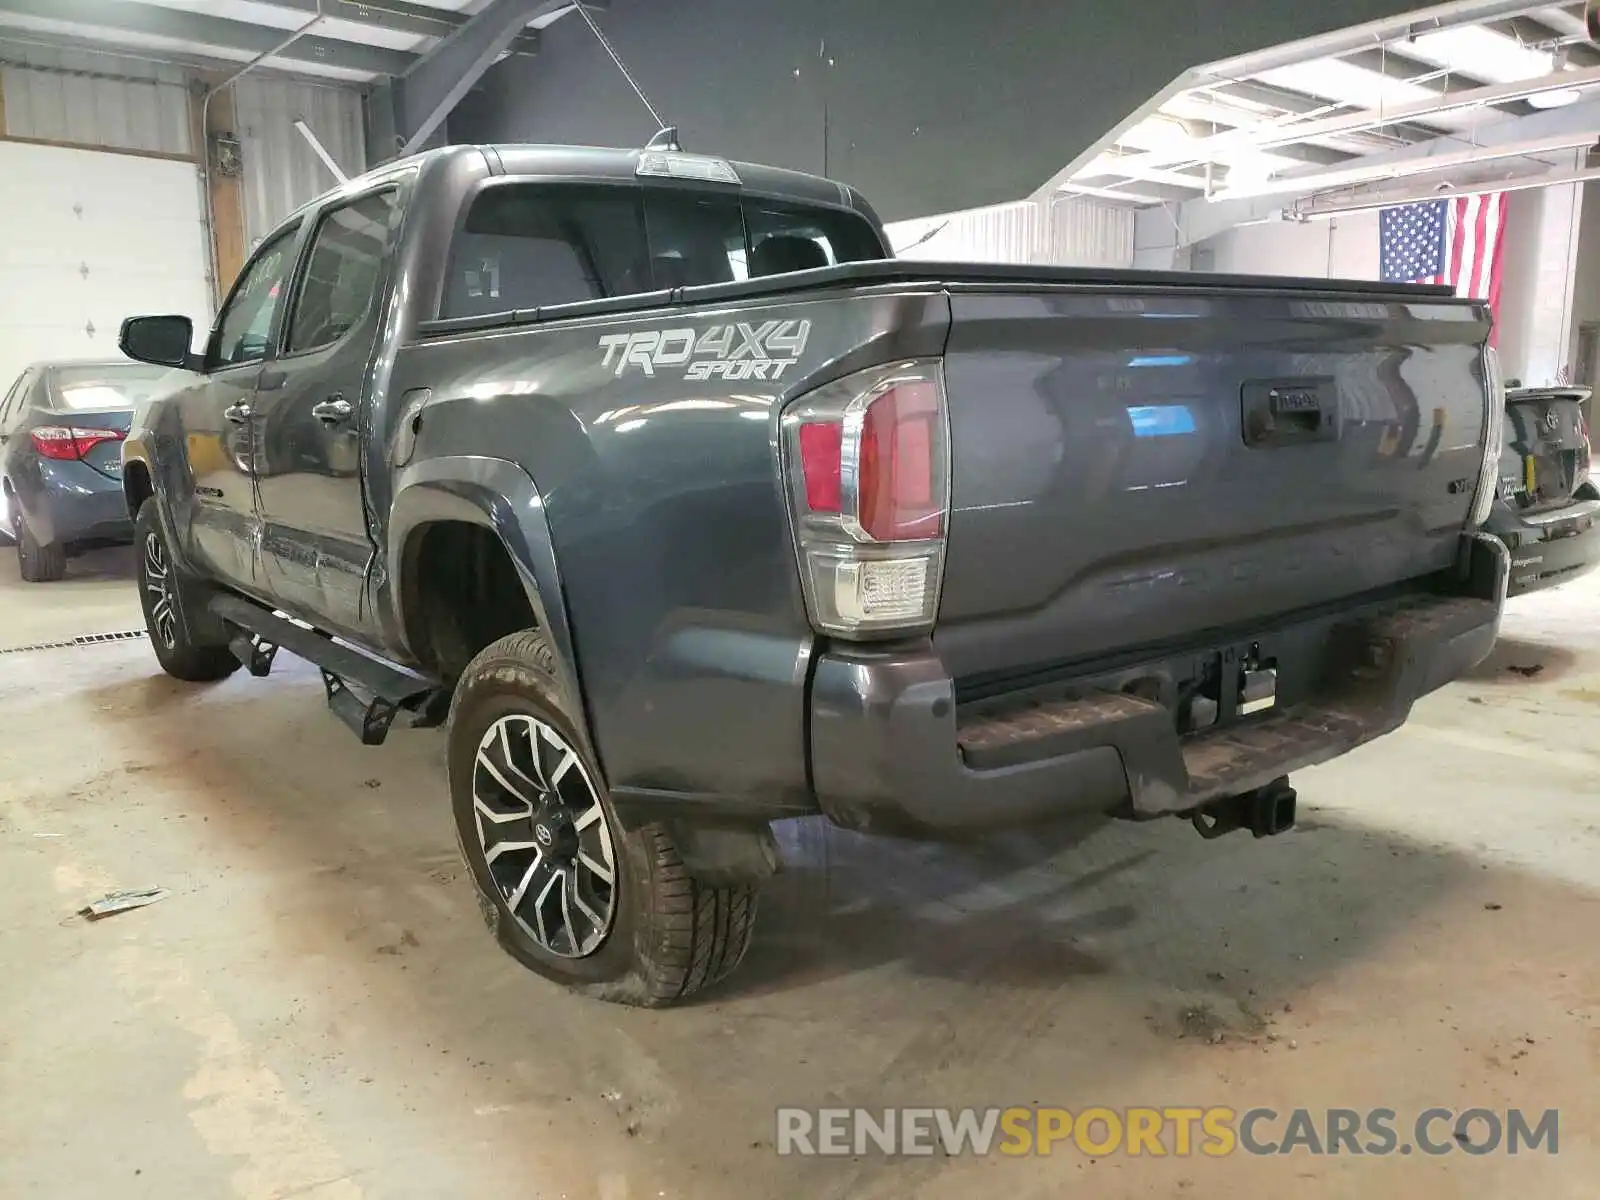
(1334,43)
(1114,169)
(1201,218)
(1392,65)
(1385,199)
(402,16)
(1421,164)
(1341,42)
(1253,91)
(1361,122)
(16,35)
(435,83)
(1530,31)
(1146,195)
(211,31)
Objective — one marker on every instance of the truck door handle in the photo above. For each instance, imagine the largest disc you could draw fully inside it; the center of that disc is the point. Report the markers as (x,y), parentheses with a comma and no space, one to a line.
(332,410)
(237,413)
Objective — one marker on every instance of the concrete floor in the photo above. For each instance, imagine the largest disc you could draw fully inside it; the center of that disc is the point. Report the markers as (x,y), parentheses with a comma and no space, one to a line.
(317,1012)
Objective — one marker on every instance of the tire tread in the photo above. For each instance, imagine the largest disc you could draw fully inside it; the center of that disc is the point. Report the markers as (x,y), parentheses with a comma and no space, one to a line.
(691,936)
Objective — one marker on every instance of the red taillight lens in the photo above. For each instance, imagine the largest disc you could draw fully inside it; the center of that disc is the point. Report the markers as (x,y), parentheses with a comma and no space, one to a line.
(65,443)
(868,458)
(898,492)
(821,443)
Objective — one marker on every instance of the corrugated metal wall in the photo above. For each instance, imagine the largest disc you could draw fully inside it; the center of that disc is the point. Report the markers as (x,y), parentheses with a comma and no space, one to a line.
(280,170)
(1072,233)
(94,99)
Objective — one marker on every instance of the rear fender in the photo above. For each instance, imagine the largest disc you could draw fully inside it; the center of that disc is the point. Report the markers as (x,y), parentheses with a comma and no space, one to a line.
(502,497)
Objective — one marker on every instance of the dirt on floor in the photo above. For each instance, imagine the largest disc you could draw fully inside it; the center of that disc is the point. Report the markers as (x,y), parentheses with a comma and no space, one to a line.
(316,1010)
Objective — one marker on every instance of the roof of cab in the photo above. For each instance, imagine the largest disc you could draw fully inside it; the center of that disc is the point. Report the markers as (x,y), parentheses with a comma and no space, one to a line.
(612,164)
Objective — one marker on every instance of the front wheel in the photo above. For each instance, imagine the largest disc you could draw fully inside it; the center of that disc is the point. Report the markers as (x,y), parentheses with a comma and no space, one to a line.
(569,893)
(162,594)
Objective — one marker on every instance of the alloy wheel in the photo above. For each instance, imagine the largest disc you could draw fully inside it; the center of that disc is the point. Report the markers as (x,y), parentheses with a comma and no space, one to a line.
(158,582)
(544,835)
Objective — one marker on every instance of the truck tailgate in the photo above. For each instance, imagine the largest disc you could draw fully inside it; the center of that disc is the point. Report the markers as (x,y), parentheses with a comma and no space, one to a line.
(1547,440)
(1131,469)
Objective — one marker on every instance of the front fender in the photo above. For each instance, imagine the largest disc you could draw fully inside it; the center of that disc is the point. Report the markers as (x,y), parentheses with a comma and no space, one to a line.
(137,449)
(502,497)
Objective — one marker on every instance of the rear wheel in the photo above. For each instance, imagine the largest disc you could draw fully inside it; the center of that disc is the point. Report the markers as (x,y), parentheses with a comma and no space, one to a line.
(569,893)
(163,594)
(36,563)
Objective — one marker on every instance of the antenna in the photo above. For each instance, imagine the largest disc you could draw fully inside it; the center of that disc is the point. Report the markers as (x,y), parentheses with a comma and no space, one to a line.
(662,126)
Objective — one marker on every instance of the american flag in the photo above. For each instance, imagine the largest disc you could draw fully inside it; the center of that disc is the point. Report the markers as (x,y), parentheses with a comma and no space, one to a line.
(1455,242)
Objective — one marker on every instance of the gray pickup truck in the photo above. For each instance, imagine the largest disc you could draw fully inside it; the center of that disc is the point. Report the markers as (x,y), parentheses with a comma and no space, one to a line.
(689,510)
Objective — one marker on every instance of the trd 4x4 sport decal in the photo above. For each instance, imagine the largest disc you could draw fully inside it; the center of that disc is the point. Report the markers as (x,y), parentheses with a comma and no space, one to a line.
(738,351)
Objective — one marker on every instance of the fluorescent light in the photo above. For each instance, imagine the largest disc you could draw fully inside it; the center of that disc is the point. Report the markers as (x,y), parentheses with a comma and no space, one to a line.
(1479,52)
(1555,99)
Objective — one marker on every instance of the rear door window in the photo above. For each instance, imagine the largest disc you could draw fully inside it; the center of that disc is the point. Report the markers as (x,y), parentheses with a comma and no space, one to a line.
(343,269)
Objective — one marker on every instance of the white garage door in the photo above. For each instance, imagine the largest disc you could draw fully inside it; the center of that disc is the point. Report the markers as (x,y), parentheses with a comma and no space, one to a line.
(86,239)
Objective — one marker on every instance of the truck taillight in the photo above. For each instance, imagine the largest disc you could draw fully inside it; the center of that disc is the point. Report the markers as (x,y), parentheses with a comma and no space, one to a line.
(868,464)
(1493,434)
(66,442)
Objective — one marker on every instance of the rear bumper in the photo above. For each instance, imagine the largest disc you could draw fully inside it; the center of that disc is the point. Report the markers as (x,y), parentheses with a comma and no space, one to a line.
(1551,548)
(75,503)
(892,752)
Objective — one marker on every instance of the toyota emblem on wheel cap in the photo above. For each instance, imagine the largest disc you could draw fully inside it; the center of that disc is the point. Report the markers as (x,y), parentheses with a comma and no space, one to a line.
(543,834)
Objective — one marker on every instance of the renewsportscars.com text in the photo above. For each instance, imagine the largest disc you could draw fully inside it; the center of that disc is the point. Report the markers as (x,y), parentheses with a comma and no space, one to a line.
(1160,1131)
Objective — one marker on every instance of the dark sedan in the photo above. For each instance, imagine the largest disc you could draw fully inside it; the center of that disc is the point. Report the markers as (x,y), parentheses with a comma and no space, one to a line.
(61,431)
(1548,504)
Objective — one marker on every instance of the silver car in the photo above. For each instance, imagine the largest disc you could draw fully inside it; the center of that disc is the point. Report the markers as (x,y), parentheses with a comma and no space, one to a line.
(61,431)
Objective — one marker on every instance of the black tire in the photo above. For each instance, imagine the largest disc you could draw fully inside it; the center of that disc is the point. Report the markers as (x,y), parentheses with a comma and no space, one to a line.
(163,595)
(669,935)
(36,563)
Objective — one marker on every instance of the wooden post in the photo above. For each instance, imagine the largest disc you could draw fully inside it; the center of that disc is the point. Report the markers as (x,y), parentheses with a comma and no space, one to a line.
(226,194)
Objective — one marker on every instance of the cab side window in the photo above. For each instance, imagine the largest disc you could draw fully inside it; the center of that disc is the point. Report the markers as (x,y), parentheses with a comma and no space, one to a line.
(343,270)
(245,328)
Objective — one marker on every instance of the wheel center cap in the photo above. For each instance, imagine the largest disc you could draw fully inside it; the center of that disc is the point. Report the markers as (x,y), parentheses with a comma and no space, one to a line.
(556,834)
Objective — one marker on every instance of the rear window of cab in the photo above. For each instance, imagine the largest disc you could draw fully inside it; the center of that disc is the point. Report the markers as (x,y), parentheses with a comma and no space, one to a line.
(527,246)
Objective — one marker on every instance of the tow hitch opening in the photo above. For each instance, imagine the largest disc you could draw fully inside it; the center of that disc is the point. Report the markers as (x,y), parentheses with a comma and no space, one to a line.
(1266,811)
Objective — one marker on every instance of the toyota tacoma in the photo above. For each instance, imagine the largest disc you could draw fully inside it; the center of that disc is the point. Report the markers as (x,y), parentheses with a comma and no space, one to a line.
(689,509)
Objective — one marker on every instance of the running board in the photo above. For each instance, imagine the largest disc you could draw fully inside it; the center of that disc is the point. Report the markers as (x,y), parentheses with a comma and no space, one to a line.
(365,693)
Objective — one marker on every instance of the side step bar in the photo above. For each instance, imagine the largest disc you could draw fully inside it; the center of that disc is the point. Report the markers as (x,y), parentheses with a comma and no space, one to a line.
(261,633)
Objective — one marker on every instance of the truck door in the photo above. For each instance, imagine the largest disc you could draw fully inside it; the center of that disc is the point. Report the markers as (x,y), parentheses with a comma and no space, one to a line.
(216,416)
(315,544)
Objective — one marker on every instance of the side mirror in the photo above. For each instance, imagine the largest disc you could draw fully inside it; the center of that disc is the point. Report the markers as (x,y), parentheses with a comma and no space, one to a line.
(163,341)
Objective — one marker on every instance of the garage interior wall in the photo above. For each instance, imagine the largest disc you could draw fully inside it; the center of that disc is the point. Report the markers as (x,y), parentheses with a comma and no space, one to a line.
(93,99)
(1586,292)
(1540,274)
(100,149)
(281,172)
(1072,233)
(1339,248)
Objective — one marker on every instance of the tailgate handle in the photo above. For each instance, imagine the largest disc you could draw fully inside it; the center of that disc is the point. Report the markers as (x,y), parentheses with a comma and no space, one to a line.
(1282,412)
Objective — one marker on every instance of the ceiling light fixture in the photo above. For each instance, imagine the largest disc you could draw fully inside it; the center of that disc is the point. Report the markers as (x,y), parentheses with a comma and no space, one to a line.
(1555,99)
